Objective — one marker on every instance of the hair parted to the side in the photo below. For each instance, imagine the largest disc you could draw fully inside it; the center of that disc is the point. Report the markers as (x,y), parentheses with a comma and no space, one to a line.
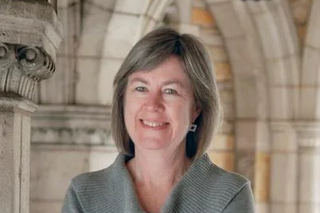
(149,52)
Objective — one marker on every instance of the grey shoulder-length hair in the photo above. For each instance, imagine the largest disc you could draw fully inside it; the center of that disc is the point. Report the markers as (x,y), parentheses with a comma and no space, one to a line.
(149,52)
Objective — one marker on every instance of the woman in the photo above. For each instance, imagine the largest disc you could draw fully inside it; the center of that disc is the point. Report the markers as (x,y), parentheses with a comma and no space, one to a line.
(165,110)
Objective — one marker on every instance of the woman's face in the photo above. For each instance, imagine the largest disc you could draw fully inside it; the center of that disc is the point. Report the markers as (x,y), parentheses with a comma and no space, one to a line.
(159,106)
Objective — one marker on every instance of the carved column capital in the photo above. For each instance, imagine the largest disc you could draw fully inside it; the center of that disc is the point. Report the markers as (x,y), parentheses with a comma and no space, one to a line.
(30,34)
(21,67)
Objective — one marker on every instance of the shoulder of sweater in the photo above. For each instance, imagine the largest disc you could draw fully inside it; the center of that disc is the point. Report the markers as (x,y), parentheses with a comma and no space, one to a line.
(223,178)
(99,190)
(228,176)
(209,185)
(90,176)
(229,180)
(92,182)
(103,175)
(89,179)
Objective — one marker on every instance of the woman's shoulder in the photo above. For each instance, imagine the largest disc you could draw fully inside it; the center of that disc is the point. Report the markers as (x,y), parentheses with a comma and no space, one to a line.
(217,181)
(211,184)
(97,191)
(233,189)
(94,177)
(219,175)
(109,176)
(226,177)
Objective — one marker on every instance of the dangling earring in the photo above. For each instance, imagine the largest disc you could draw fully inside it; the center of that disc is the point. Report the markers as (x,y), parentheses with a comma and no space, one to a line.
(193,127)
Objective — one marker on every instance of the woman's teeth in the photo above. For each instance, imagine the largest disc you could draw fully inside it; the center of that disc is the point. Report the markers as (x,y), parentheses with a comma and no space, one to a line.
(152,124)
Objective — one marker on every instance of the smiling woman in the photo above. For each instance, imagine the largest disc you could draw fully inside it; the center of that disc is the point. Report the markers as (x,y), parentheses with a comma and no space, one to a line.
(165,111)
(159,108)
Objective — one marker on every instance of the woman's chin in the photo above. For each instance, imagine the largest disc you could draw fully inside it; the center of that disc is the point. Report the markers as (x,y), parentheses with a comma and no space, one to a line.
(151,144)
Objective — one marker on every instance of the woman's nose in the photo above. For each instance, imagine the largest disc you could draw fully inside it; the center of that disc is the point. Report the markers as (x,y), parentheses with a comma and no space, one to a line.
(154,102)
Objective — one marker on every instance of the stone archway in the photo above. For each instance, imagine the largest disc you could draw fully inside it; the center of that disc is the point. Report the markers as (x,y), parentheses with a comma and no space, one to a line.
(264,51)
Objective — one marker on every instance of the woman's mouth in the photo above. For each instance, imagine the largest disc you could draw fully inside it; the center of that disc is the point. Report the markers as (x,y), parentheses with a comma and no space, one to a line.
(153,123)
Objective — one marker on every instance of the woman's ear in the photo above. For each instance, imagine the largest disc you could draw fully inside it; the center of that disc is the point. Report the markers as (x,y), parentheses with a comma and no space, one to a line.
(196,113)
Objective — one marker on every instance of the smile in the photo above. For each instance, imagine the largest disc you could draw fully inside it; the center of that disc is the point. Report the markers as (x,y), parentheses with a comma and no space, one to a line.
(153,124)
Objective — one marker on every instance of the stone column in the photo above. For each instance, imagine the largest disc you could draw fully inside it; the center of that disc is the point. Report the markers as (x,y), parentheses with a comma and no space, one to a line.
(308,137)
(284,158)
(29,36)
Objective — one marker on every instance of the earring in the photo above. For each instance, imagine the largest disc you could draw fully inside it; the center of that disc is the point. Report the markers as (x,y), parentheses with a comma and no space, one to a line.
(193,127)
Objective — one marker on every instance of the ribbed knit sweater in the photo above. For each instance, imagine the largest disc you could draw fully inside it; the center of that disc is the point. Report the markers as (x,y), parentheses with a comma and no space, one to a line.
(203,188)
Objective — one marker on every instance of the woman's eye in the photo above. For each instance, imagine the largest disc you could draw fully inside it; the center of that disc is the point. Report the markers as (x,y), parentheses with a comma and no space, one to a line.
(141,89)
(170,91)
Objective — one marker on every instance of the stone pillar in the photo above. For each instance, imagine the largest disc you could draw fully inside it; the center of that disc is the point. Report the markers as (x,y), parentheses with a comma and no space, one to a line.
(284,158)
(262,168)
(308,137)
(295,167)
(29,36)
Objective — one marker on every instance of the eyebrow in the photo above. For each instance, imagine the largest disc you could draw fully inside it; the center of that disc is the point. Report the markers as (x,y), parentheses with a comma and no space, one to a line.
(138,79)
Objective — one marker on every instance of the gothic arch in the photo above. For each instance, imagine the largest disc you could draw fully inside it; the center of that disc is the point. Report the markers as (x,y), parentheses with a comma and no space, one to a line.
(280,50)
(246,58)
(263,49)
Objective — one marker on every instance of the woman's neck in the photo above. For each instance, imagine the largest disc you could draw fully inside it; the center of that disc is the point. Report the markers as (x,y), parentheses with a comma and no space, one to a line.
(156,169)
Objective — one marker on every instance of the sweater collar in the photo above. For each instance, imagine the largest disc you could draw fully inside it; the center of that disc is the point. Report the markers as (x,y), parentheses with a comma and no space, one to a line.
(131,200)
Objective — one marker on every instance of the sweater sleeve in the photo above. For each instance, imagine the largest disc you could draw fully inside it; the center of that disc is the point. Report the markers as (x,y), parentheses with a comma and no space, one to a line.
(71,202)
(243,202)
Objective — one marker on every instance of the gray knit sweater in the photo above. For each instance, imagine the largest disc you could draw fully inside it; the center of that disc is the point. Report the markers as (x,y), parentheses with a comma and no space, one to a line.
(204,188)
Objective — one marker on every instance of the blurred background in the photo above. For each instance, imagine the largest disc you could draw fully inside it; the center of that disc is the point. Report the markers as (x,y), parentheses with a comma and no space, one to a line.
(266,60)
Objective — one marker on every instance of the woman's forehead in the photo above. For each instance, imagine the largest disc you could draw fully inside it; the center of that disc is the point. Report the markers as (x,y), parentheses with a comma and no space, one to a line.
(170,71)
